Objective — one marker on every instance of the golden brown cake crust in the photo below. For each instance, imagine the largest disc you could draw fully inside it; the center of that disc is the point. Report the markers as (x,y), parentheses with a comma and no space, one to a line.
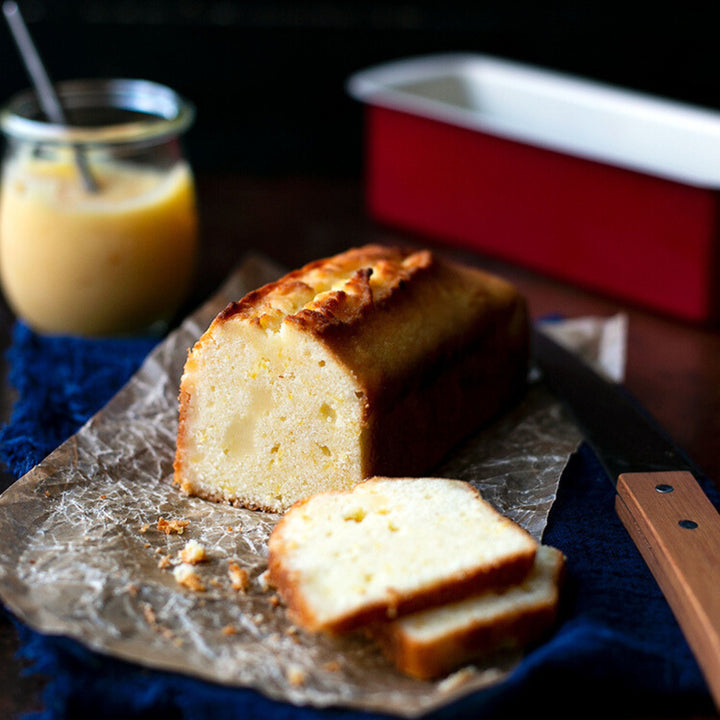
(390,269)
(427,662)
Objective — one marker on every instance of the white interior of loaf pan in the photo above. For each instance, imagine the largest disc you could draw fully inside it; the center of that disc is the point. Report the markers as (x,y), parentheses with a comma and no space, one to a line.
(588,119)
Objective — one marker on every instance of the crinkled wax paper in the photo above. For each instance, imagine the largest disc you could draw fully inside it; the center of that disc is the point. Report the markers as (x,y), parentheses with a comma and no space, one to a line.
(81,552)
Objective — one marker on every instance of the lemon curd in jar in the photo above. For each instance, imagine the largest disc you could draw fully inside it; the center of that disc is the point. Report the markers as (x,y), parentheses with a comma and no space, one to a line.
(98,221)
(93,263)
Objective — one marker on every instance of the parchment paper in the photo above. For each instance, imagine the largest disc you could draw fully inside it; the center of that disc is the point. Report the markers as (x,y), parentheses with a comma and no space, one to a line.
(81,554)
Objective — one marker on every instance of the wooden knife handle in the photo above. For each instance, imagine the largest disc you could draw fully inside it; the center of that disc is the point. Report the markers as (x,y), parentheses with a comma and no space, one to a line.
(677,531)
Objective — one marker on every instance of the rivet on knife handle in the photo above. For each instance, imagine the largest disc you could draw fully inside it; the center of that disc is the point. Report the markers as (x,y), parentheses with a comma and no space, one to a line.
(677,531)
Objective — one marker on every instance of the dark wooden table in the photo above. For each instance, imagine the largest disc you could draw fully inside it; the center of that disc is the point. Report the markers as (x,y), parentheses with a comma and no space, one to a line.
(673,368)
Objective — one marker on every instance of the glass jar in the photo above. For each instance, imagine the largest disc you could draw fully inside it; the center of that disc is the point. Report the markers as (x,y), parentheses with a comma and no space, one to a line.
(111,251)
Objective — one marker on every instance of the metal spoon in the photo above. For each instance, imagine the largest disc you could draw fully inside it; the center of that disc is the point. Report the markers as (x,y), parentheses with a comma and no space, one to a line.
(47,97)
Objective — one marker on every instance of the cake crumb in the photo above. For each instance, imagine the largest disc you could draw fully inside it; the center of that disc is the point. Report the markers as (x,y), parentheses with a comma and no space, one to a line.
(263,581)
(172,527)
(149,615)
(239,577)
(164,562)
(332,666)
(151,620)
(132,590)
(229,630)
(186,576)
(295,675)
(144,528)
(457,679)
(193,553)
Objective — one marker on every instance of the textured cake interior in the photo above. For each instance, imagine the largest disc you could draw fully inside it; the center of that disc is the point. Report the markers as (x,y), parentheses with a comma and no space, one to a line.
(273,413)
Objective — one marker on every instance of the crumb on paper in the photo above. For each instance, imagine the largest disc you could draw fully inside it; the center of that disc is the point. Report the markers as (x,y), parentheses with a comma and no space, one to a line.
(164,562)
(275,600)
(239,577)
(149,615)
(172,527)
(186,576)
(229,630)
(332,666)
(167,633)
(133,590)
(193,553)
(144,528)
(457,679)
(295,675)
(263,581)
(151,620)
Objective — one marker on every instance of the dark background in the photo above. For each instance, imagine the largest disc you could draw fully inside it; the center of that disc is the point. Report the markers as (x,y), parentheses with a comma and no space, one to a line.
(268,77)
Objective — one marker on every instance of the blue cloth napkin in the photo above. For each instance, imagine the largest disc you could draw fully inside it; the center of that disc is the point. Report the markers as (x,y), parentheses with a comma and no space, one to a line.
(617,647)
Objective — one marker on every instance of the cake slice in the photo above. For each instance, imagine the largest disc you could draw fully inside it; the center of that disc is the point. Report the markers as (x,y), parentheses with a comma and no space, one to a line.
(390,546)
(433,643)
(373,362)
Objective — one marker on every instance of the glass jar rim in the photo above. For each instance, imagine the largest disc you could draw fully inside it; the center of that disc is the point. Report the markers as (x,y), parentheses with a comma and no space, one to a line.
(166,113)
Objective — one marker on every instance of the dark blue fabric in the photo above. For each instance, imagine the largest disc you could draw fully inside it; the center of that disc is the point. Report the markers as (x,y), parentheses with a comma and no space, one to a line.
(60,382)
(617,647)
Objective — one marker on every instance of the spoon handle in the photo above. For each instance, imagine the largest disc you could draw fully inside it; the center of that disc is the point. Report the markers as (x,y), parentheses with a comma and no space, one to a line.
(47,97)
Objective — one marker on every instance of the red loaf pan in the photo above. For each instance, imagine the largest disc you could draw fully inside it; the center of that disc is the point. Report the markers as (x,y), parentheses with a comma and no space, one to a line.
(606,188)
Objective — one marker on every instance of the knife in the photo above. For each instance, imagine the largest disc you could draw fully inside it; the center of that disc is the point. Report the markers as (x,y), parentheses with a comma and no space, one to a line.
(667,514)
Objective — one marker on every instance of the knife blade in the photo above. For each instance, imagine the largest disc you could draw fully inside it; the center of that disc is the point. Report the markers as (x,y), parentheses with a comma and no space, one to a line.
(658,499)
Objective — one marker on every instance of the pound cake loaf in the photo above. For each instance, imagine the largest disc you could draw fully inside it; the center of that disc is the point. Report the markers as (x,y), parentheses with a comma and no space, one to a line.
(391,546)
(373,362)
(433,643)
